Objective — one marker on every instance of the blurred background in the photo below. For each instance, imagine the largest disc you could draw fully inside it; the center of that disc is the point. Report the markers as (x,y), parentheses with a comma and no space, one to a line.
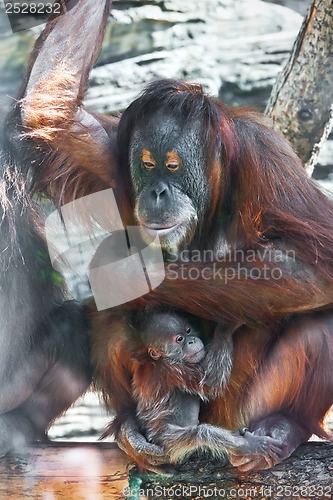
(235,48)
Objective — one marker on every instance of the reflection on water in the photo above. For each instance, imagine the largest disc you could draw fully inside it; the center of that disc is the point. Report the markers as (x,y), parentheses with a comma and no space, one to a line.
(85,421)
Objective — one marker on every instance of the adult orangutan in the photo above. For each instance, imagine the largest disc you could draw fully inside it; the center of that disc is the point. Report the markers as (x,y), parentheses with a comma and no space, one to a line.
(247,236)
(245,244)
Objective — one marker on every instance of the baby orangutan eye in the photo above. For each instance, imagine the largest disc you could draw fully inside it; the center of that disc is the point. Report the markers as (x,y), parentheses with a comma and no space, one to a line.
(188,329)
(179,339)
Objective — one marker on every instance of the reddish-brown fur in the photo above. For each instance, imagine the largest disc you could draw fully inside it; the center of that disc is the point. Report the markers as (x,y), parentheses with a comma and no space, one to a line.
(135,377)
(281,364)
(130,359)
(283,354)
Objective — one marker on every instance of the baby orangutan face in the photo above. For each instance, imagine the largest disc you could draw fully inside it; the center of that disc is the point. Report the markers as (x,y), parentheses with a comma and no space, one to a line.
(171,336)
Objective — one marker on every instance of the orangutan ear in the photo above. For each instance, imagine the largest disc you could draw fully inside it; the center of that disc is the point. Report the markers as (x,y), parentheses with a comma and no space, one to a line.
(154,353)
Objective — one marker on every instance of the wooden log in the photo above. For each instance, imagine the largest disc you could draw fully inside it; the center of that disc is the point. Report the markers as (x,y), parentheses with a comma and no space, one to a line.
(307,474)
(98,471)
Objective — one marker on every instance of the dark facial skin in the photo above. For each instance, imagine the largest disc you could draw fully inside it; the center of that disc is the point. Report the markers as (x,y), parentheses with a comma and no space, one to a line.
(172,336)
(167,161)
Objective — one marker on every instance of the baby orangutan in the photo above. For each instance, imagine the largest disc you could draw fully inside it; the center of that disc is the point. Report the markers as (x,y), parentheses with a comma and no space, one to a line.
(168,381)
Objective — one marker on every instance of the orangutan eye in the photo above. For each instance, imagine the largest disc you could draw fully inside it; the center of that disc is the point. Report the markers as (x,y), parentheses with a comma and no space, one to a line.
(179,339)
(147,159)
(173,167)
(188,329)
(173,161)
(149,165)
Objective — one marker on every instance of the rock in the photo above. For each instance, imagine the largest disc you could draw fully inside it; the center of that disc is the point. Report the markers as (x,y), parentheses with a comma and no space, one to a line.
(323,171)
(188,39)
(326,154)
(300,6)
(235,49)
(198,41)
(14,50)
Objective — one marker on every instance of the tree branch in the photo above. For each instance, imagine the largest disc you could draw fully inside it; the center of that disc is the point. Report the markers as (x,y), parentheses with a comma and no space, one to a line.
(301,100)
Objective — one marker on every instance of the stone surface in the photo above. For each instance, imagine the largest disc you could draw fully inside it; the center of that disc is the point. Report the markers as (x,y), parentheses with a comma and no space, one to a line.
(235,49)
(300,6)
